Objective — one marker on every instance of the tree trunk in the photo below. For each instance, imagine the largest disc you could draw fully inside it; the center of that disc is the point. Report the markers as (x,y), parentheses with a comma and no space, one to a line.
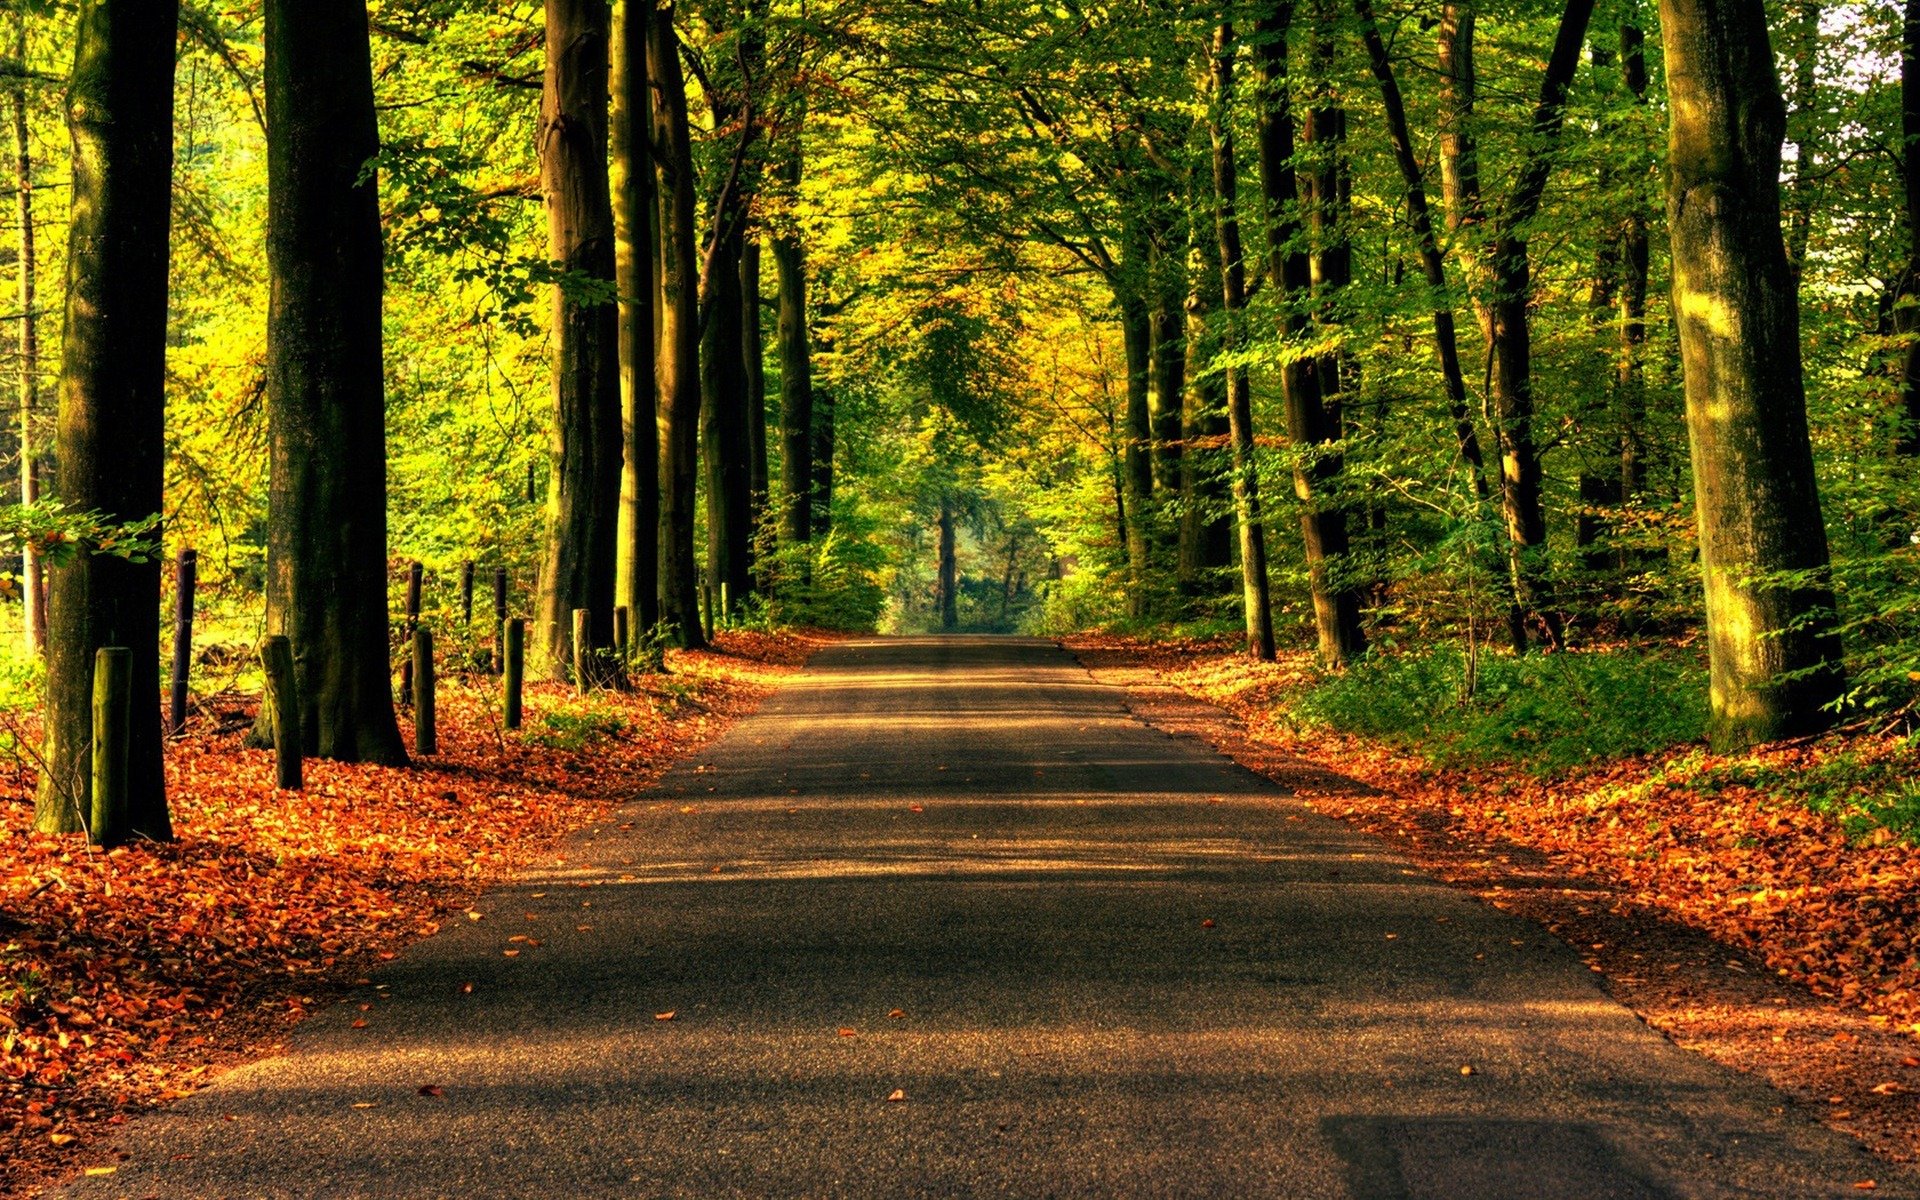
(753,350)
(949,580)
(1906,310)
(326,388)
(1290,272)
(1136,331)
(32,614)
(796,367)
(1446,341)
(678,347)
(1739,327)
(1629,378)
(112,409)
(1233,275)
(1206,540)
(1167,336)
(587,446)
(1804,53)
(823,447)
(637,270)
(724,442)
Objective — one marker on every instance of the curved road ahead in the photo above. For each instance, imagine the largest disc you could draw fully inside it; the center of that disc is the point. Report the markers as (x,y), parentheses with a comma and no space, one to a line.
(1122,966)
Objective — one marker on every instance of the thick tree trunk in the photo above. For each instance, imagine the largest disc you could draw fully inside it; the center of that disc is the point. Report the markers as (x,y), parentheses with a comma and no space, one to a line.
(112,410)
(1906,312)
(636,269)
(1136,330)
(949,578)
(1233,274)
(1291,271)
(1206,538)
(796,372)
(753,350)
(583,500)
(678,347)
(33,625)
(1774,652)
(326,388)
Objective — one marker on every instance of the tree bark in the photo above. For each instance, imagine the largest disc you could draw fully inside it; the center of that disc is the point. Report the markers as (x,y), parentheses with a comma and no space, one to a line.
(33,613)
(796,363)
(112,409)
(1136,332)
(1206,540)
(1291,273)
(949,578)
(587,445)
(1167,328)
(637,271)
(753,351)
(1772,644)
(1906,310)
(678,348)
(724,442)
(1233,274)
(326,388)
(824,403)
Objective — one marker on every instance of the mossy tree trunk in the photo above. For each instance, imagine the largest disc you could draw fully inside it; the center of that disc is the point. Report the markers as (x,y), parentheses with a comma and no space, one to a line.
(326,397)
(112,410)
(1763,548)
(587,450)
(678,347)
(637,271)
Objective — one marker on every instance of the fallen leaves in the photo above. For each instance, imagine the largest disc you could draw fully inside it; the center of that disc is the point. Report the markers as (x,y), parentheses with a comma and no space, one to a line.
(136,968)
(897,1096)
(669,1015)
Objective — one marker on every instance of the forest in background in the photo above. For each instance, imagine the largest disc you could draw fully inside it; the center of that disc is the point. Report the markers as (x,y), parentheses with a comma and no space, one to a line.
(1005,316)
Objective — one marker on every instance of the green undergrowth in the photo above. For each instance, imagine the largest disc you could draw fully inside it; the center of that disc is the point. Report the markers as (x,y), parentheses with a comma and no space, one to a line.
(1545,712)
(1864,791)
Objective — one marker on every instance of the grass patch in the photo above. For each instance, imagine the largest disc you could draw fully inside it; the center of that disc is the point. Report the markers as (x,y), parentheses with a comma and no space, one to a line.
(1863,791)
(576,725)
(1546,712)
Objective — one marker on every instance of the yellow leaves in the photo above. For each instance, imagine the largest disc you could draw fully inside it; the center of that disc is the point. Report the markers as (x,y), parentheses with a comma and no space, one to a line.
(669,1015)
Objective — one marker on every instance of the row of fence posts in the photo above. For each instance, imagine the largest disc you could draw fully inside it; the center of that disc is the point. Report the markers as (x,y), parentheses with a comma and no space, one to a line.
(113,691)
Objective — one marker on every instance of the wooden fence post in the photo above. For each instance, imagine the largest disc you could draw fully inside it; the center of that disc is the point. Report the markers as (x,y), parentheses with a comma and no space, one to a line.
(426,739)
(186,572)
(515,667)
(582,651)
(276,662)
(112,727)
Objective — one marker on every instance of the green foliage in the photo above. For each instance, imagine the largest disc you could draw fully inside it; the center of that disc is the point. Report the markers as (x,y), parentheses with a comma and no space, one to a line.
(1865,793)
(577,724)
(835,582)
(1549,712)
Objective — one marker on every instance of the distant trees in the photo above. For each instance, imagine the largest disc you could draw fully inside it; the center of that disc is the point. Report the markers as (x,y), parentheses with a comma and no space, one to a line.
(112,409)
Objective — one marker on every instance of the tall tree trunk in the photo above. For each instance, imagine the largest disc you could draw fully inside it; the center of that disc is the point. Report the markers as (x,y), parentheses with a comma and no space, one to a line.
(1599,482)
(949,579)
(1290,272)
(326,387)
(1906,311)
(824,402)
(112,410)
(587,447)
(724,442)
(636,269)
(1802,116)
(1206,540)
(1629,377)
(796,365)
(33,614)
(678,348)
(1446,341)
(1233,274)
(753,352)
(1136,331)
(1772,644)
(1167,337)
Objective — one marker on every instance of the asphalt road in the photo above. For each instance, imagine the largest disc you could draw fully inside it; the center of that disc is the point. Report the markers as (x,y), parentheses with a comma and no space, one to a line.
(1095,960)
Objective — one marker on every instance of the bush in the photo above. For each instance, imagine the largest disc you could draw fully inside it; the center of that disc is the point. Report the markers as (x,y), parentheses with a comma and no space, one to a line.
(1546,711)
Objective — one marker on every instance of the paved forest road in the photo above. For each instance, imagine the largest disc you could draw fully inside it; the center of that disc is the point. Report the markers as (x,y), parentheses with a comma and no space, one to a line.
(970,831)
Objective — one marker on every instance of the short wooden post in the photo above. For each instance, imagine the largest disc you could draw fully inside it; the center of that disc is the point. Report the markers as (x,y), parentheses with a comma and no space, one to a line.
(466,592)
(514,638)
(621,620)
(186,570)
(426,738)
(283,699)
(499,616)
(112,727)
(582,650)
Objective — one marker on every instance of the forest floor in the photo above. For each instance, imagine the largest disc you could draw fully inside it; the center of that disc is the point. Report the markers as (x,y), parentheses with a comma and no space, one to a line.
(132,977)
(1739,922)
